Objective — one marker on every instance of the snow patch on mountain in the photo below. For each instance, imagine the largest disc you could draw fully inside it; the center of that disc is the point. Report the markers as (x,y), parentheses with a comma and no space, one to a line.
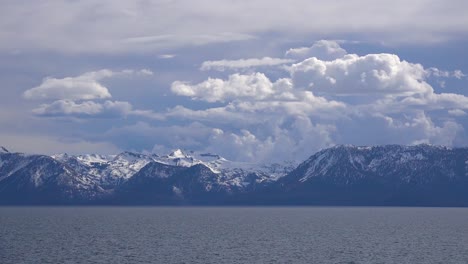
(111,170)
(347,163)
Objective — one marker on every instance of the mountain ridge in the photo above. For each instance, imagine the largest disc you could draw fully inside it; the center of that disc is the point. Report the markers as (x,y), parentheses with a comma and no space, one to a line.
(341,175)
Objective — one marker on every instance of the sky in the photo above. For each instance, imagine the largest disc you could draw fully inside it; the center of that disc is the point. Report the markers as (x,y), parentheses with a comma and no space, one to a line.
(249,80)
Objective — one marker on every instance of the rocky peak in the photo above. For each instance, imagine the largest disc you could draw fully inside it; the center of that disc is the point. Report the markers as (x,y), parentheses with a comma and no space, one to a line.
(3,150)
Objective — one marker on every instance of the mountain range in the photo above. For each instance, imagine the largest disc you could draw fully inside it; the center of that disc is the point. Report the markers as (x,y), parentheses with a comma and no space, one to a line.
(421,175)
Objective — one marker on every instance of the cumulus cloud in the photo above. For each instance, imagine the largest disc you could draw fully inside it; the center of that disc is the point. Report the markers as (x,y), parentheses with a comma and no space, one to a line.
(369,99)
(322,49)
(322,101)
(244,144)
(422,129)
(82,87)
(82,96)
(221,65)
(282,143)
(237,86)
(383,74)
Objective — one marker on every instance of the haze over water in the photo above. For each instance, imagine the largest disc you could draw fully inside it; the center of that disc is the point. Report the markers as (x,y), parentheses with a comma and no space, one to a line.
(233,235)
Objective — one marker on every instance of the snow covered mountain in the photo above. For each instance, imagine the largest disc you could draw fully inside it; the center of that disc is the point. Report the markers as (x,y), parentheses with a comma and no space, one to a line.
(393,175)
(341,175)
(96,177)
(42,179)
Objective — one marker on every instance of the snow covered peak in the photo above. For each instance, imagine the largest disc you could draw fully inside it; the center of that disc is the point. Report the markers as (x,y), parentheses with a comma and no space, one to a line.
(3,150)
(178,153)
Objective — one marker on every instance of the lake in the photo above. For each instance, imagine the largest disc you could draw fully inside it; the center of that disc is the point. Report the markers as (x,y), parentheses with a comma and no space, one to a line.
(233,235)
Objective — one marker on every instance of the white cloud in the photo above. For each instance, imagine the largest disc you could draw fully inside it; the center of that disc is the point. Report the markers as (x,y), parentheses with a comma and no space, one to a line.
(238,86)
(221,65)
(458,74)
(322,49)
(345,98)
(280,144)
(373,74)
(83,87)
(370,99)
(81,96)
(422,126)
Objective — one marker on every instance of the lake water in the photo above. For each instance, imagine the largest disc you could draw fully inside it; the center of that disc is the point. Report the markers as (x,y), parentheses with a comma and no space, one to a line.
(233,235)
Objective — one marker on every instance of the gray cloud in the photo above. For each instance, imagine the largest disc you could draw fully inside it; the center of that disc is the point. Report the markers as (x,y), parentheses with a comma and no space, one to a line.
(61,108)
(221,65)
(140,26)
(44,144)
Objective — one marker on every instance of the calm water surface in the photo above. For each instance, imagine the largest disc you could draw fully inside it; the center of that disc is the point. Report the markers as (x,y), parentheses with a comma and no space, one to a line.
(233,235)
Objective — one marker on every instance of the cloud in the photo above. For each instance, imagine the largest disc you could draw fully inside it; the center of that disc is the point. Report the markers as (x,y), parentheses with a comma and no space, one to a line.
(238,86)
(322,49)
(143,135)
(240,145)
(92,110)
(81,96)
(457,112)
(166,56)
(281,144)
(142,72)
(261,119)
(369,99)
(257,116)
(141,26)
(184,39)
(408,127)
(62,108)
(372,74)
(423,130)
(458,74)
(221,65)
(83,87)
(41,144)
